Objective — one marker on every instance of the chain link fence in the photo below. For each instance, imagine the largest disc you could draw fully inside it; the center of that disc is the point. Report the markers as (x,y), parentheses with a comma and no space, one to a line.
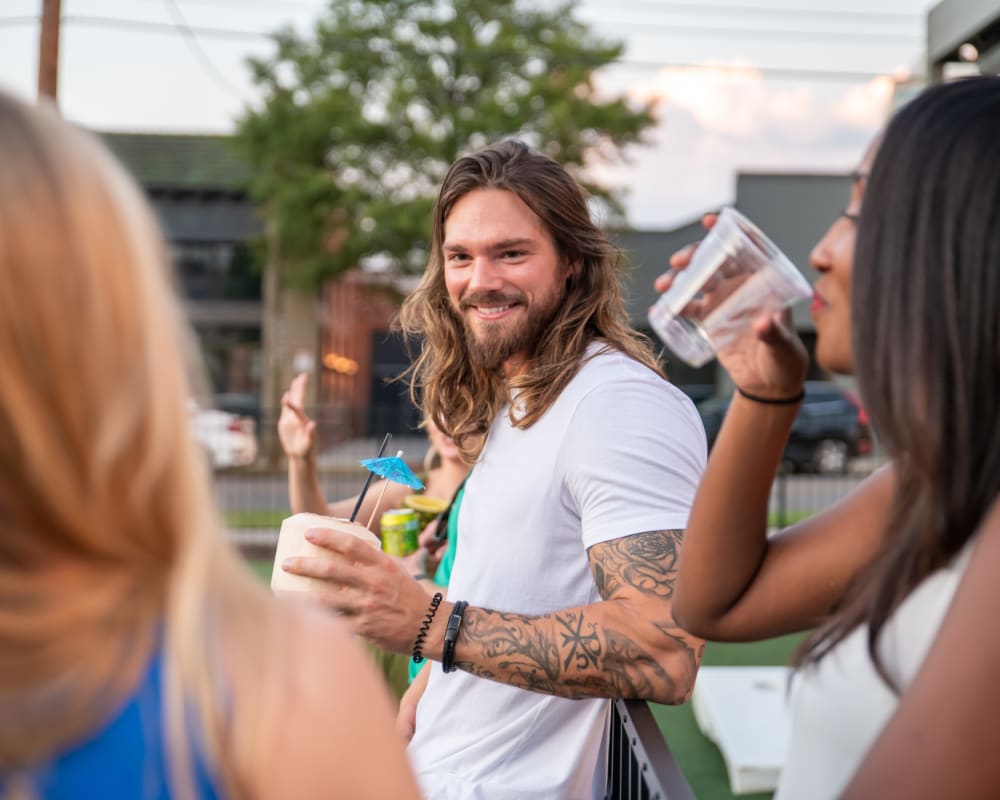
(253,494)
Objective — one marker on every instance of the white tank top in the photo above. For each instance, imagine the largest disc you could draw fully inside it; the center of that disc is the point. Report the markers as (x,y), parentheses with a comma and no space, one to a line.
(839,706)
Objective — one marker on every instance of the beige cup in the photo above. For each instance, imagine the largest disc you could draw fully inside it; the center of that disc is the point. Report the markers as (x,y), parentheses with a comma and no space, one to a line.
(292,542)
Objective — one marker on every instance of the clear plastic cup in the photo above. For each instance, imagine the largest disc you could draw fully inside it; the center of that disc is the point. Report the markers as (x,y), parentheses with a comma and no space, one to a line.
(292,542)
(736,275)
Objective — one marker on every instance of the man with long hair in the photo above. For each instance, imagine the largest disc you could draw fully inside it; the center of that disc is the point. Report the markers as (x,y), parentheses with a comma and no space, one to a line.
(586,462)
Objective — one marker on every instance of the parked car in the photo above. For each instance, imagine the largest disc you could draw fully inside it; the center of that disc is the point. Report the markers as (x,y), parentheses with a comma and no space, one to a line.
(229,440)
(243,404)
(698,392)
(830,428)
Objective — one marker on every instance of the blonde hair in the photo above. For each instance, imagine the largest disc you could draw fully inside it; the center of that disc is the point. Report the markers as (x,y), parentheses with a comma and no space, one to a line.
(463,398)
(110,541)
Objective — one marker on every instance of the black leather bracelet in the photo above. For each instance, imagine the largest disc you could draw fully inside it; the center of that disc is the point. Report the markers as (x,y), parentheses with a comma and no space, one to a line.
(451,636)
(773,401)
(425,626)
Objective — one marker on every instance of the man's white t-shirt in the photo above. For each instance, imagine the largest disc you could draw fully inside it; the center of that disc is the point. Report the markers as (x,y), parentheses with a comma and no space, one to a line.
(620,452)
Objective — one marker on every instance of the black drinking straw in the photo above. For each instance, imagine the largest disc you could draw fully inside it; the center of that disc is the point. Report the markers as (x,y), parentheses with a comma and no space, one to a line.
(368,480)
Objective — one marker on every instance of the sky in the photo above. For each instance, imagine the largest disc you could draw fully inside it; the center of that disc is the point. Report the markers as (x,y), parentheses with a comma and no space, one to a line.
(739,85)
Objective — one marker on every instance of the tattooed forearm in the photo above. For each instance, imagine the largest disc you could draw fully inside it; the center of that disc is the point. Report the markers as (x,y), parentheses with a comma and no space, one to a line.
(566,654)
(626,646)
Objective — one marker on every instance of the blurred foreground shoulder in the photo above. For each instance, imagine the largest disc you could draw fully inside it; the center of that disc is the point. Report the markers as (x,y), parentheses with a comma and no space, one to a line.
(329,727)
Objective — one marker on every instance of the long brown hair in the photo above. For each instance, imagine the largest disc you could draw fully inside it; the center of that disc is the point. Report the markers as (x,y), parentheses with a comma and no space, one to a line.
(463,398)
(110,542)
(926,339)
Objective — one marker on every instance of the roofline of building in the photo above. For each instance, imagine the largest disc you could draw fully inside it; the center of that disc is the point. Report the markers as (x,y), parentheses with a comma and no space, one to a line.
(953,22)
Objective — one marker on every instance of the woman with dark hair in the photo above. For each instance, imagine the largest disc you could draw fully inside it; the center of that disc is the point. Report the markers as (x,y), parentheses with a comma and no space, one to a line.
(894,696)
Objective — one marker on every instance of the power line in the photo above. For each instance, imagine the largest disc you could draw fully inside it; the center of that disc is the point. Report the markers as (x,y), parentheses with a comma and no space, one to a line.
(772,33)
(248,5)
(180,24)
(263,4)
(781,73)
(787,73)
(229,33)
(860,16)
(161,27)
(10,22)
(645,5)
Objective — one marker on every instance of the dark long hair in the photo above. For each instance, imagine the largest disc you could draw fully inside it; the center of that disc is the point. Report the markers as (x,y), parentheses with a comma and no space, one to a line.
(459,396)
(926,338)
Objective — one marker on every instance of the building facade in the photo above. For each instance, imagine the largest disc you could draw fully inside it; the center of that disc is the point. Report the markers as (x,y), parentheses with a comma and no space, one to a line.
(256,334)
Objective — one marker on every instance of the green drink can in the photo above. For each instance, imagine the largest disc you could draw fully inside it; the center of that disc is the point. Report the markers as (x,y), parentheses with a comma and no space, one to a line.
(400,527)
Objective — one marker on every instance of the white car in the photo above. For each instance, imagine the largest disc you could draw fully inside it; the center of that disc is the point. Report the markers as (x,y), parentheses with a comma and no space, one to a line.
(228,440)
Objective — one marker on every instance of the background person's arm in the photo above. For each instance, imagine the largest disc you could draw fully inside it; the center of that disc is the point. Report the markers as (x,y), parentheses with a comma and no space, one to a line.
(304,492)
(297,434)
(735,583)
(943,739)
(406,717)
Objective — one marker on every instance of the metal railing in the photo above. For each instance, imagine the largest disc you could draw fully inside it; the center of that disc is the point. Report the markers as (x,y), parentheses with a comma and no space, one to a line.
(640,764)
(250,493)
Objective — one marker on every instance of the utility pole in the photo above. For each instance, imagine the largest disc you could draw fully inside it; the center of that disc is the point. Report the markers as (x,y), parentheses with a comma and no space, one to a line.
(48,51)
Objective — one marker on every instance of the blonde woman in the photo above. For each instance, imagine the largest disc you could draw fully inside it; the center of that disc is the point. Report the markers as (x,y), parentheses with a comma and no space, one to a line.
(137,656)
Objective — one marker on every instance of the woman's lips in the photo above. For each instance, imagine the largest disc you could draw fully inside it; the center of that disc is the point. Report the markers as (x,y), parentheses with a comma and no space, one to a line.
(818,303)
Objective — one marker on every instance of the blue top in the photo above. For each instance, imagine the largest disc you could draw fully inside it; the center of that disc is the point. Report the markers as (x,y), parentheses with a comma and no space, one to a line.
(125,759)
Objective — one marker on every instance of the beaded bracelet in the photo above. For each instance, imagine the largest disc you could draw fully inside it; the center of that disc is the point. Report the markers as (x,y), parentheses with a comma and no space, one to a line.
(426,626)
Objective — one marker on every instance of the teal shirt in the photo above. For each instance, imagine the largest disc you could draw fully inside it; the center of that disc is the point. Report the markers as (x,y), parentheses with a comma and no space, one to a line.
(443,574)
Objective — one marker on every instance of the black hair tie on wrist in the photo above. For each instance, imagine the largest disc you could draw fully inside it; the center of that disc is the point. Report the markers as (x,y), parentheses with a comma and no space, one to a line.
(774,401)
(425,626)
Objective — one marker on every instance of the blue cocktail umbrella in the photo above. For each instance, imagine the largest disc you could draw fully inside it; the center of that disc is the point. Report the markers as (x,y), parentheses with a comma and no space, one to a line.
(394,469)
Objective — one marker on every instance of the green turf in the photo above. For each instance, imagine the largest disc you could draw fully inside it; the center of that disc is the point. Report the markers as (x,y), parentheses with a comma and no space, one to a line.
(255,517)
(698,757)
(790,518)
(261,567)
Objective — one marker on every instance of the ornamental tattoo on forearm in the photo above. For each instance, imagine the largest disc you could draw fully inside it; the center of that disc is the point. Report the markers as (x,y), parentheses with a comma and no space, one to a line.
(584,652)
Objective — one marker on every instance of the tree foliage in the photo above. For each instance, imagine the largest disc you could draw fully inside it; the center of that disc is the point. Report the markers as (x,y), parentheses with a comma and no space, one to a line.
(360,119)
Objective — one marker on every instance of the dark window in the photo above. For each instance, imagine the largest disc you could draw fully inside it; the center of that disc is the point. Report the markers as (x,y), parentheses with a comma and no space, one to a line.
(217,271)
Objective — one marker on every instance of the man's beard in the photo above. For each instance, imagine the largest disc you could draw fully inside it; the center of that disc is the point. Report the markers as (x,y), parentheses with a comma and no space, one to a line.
(497,342)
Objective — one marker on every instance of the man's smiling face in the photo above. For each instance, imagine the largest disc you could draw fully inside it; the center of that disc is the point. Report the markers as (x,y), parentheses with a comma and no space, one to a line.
(504,276)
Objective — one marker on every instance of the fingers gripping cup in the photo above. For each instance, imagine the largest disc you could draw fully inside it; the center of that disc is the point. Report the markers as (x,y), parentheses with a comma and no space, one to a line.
(292,542)
(735,276)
